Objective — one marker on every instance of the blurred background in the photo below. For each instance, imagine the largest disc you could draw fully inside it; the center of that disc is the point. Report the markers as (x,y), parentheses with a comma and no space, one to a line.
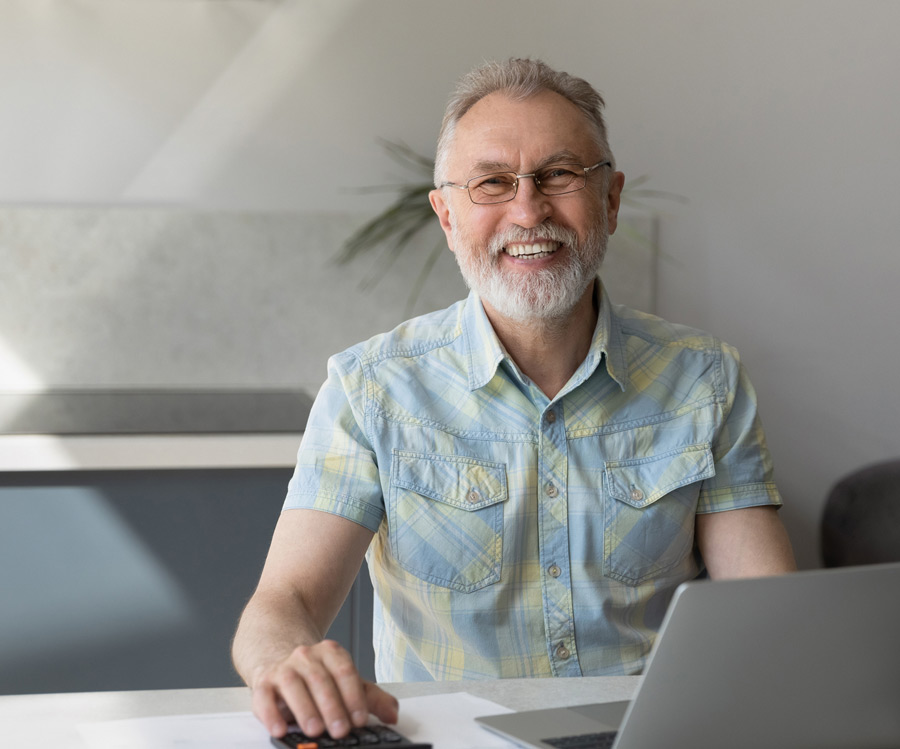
(178,177)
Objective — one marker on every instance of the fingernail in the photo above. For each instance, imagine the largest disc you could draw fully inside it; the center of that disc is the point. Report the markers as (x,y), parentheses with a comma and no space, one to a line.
(313,727)
(360,718)
(338,728)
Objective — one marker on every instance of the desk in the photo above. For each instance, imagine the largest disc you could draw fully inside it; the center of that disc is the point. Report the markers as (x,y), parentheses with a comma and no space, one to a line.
(22,716)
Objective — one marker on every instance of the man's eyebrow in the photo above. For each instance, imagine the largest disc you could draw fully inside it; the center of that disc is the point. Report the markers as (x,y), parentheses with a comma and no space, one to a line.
(561,157)
(488,167)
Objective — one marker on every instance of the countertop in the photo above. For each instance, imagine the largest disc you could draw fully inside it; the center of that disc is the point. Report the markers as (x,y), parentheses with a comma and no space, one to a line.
(150,429)
(113,412)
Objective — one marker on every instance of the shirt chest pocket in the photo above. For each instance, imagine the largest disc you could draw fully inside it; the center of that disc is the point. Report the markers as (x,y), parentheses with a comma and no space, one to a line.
(650,508)
(446,518)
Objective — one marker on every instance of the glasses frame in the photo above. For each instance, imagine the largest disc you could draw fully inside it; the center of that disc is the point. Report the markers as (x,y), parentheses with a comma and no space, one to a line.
(532,175)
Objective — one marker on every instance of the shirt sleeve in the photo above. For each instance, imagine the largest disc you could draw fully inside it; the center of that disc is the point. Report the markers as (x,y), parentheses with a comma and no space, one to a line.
(744,473)
(336,469)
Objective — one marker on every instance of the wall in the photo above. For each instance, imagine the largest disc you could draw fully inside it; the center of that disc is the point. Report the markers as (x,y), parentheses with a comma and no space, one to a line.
(115,297)
(775,119)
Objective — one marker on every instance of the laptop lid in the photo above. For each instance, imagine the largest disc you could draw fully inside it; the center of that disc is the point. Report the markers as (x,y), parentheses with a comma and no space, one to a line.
(810,659)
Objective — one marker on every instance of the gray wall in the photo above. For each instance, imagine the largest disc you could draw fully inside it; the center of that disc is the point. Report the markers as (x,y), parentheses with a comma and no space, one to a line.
(776,119)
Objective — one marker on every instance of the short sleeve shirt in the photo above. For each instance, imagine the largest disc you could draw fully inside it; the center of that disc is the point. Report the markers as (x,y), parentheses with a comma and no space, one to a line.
(522,536)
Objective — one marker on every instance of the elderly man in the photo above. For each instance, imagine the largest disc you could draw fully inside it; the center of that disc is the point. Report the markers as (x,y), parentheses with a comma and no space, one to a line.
(530,472)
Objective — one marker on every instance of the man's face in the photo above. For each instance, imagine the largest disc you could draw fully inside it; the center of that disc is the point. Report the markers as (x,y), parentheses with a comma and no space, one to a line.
(533,257)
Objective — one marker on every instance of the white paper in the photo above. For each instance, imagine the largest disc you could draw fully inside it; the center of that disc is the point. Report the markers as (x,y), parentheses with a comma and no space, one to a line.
(444,720)
(447,721)
(206,731)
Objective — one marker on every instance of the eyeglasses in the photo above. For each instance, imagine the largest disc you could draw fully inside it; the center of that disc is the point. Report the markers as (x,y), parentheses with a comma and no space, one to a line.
(500,187)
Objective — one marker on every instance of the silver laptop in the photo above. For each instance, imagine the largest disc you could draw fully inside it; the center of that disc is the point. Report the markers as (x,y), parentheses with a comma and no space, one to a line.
(810,659)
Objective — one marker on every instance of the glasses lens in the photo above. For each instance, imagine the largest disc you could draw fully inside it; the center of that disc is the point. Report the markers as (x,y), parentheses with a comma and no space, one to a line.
(560,178)
(492,188)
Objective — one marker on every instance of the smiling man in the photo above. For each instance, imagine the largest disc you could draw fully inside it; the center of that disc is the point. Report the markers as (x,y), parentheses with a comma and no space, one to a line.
(529,473)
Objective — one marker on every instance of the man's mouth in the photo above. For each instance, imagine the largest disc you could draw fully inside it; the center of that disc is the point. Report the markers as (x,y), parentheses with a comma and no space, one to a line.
(532,250)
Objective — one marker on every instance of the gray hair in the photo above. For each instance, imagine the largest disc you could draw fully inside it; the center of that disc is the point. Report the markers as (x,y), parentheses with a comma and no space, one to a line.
(519,79)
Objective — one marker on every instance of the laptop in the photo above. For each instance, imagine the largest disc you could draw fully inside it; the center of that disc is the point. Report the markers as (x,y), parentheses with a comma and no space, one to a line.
(810,659)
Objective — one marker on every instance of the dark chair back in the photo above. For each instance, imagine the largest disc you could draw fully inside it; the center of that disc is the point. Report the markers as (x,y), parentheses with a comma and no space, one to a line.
(861,520)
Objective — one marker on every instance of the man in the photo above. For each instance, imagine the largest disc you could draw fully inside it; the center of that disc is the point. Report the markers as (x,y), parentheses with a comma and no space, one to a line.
(531,472)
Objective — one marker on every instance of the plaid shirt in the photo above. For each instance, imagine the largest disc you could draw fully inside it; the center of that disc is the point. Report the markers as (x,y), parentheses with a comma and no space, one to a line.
(518,536)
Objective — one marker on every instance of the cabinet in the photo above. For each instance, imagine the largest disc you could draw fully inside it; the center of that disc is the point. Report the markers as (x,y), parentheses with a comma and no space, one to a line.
(116,580)
(125,561)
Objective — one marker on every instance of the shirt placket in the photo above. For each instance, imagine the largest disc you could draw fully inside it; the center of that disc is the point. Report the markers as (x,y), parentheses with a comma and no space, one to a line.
(553,539)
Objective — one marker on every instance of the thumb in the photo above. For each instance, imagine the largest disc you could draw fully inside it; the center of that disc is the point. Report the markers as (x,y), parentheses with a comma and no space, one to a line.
(382,705)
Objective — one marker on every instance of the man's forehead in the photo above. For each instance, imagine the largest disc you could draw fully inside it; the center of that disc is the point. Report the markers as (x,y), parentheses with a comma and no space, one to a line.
(563,156)
(499,132)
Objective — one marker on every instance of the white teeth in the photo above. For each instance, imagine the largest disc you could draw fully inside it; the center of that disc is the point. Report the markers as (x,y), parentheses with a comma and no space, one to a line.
(540,248)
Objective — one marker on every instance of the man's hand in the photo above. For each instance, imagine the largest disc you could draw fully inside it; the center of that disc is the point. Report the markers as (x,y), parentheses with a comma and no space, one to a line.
(278,648)
(319,688)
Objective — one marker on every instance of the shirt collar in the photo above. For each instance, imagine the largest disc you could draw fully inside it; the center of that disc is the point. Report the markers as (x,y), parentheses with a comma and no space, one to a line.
(485,352)
(484,349)
(608,340)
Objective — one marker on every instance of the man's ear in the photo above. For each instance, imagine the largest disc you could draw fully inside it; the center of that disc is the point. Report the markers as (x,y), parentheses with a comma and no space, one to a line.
(614,200)
(442,209)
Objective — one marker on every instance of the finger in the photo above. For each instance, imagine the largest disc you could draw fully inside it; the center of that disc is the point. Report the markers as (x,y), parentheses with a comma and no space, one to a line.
(264,702)
(348,681)
(321,697)
(297,693)
(382,705)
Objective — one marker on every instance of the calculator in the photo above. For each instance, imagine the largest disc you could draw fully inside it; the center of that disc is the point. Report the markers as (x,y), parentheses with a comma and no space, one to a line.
(368,737)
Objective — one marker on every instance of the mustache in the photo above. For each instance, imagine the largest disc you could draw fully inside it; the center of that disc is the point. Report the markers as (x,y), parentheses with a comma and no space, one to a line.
(518,234)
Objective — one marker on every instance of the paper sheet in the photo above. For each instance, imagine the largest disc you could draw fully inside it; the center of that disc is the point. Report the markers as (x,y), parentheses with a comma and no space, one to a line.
(448,721)
(222,730)
(444,720)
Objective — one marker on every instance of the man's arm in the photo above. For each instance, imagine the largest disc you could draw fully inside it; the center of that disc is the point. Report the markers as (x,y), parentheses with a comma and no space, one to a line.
(279,648)
(750,542)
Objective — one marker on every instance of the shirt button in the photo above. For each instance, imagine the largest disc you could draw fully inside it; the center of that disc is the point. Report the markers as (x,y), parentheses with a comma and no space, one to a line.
(636,494)
(473,496)
(551,417)
(554,570)
(562,652)
(552,491)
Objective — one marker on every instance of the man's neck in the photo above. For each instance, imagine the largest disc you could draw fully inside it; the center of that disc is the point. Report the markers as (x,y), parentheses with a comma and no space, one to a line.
(549,352)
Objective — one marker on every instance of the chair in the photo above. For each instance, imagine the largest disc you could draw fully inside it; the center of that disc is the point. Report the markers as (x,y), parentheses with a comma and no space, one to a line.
(861,520)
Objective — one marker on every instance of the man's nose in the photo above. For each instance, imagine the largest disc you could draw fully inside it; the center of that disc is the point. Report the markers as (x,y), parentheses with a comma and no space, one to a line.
(530,207)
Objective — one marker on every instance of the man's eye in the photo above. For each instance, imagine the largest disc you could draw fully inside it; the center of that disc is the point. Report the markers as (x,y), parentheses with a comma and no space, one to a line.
(558,172)
(492,185)
(497,179)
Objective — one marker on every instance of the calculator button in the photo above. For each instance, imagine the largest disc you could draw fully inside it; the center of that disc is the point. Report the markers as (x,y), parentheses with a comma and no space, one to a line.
(387,735)
(366,736)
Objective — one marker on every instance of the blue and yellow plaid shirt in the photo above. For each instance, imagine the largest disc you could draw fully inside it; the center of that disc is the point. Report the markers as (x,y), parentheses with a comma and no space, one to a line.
(518,536)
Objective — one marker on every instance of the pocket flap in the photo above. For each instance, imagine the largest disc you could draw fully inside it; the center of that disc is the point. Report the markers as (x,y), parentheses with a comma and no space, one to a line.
(465,483)
(641,481)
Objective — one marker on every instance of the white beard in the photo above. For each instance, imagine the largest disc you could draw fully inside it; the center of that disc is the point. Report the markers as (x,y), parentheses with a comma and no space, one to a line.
(545,294)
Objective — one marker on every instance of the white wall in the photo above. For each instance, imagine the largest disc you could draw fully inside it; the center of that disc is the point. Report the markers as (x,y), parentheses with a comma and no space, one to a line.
(776,119)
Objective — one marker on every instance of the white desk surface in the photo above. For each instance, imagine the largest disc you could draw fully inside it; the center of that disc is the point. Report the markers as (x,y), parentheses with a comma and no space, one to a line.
(25,717)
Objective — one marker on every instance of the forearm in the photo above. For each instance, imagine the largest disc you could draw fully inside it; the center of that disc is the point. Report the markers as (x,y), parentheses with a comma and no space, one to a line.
(279,649)
(271,627)
(301,589)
